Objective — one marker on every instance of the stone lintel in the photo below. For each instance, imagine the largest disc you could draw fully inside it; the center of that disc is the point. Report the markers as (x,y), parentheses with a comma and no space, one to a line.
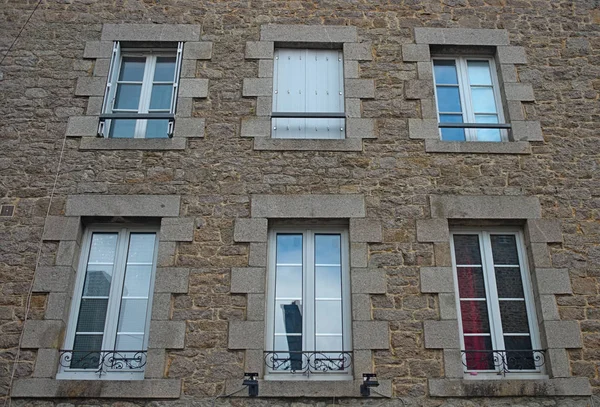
(151,32)
(308,33)
(117,389)
(461,36)
(484,207)
(123,205)
(308,206)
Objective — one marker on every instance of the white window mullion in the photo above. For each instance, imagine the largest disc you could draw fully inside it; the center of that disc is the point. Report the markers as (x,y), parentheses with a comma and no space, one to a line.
(309,319)
(145,94)
(492,294)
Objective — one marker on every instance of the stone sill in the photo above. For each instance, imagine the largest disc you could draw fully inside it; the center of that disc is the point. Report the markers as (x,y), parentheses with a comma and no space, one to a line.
(130,389)
(477,147)
(310,388)
(571,386)
(274,144)
(99,143)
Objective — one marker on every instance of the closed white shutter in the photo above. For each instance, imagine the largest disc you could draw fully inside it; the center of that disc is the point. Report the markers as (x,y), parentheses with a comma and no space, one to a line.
(308,81)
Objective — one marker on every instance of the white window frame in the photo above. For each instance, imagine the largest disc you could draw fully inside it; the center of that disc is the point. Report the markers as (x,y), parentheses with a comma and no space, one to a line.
(309,299)
(494,317)
(151,55)
(113,308)
(464,86)
(281,122)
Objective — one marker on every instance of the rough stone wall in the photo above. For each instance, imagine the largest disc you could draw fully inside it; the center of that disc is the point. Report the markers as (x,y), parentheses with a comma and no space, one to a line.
(216,175)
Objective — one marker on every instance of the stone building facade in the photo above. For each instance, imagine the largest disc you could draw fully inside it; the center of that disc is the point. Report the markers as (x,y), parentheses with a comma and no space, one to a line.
(215,194)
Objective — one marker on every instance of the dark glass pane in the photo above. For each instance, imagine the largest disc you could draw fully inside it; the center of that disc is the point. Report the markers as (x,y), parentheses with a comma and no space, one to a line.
(466,249)
(165,69)
(509,283)
(504,249)
(514,317)
(157,129)
(128,97)
(122,128)
(474,317)
(445,72)
(470,282)
(160,99)
(517,356)
(86,353)
(478,353)
(92,315)
(132,69)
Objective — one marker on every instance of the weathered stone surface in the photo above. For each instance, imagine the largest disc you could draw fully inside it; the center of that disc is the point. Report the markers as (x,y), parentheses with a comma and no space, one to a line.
(123,205)
(308,206)
(485,207)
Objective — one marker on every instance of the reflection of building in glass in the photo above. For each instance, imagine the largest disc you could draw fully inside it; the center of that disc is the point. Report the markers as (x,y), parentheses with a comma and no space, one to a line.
(293,325)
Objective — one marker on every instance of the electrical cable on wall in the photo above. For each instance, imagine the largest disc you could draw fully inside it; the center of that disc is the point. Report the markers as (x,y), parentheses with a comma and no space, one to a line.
(20,32)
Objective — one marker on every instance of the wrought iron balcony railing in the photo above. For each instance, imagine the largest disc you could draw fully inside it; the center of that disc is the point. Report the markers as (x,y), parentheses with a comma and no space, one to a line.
(104,361)
(503,361)
(312,361)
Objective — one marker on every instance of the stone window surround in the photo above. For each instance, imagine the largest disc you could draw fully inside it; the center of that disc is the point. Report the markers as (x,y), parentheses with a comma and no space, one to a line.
(513,92)
(190,87)
(47,335)
(556,335)
(355,88)
(367,334)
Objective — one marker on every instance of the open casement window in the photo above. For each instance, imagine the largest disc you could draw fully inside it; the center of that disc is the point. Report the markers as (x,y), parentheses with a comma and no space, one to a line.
(308,99)
(467,91)
(141,92)
(308,305)
(495,307)
(107,334)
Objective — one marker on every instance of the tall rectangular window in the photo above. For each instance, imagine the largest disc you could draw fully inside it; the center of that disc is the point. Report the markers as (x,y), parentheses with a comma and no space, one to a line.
(499,329)
(142,83)
(309,302)
(308,94)
(108,328)
(466,91)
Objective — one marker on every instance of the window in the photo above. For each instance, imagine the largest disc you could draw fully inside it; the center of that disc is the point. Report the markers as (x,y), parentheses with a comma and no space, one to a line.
(466,90)
(141,93)
(308,100)
(107,335)
(496,315)
(309,304)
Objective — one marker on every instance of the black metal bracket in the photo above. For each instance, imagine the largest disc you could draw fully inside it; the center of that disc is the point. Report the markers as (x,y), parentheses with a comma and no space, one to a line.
(369,380)
(252,383)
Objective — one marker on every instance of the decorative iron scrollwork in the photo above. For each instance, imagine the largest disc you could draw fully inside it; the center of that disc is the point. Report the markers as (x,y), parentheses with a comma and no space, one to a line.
(303,362)
(103,361)
(503,361)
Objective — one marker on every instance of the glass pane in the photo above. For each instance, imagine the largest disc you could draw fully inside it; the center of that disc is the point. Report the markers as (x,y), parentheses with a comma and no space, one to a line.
(85,352)
(137,281)
(328,282)
(122,128)
(325,361)
(285,360)
(157,129)
(445,72)
(522,360)
(328,316)
(448,99)
(288,282)
(129,342)
(161,97)
(141,248)
(132,69)
(452,134)
(289,249)
(97,281)
(487,134)
(165,69)
(479,72)
(327,249)
(514,317)
(466,249)
(329,343)
(474,317)
(288,317)
(127,97)
(132,317)
(92,315)
(509,283)
(483,100)
(476,356)
(103,248)
(470,282)
(504,249)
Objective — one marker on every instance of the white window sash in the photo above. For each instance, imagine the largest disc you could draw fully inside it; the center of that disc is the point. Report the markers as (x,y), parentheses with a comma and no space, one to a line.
(492,299)
(308,300)
(464,86)
(114,301)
